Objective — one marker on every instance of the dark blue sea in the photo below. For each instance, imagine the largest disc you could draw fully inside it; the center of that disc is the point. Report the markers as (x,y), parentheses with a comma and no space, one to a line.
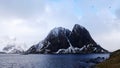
(51,61)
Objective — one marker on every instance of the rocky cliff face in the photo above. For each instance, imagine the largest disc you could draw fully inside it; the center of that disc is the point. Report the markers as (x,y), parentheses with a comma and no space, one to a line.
(57,39)
(80,37)
(62,40)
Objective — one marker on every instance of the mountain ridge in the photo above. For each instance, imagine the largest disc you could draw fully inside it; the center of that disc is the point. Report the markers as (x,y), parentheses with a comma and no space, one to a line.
(62,41)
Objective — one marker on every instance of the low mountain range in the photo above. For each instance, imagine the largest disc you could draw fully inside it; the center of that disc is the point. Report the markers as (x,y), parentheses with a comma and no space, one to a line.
(63,41)
(12,49)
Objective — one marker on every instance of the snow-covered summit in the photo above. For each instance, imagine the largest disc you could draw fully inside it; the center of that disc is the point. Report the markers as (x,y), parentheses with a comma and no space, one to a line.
(13,49)
(58,30)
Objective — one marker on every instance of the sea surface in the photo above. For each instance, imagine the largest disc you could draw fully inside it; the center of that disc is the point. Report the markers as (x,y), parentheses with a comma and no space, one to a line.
(49,61)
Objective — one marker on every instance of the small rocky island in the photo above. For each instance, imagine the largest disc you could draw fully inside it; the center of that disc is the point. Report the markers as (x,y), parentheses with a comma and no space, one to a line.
(63,41)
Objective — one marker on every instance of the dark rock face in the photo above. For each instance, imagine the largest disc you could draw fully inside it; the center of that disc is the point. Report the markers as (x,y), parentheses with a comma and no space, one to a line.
(32,50)
(80,37)
(61,40)
(57,39)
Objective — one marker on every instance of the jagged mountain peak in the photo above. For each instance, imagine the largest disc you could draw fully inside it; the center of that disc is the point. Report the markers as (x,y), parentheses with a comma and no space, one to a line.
(80,36)
(76,26)
(62,40)
(79,29)
(59,30)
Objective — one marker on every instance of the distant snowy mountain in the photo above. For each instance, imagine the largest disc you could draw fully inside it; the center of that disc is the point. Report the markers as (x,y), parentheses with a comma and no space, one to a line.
(62,40)
(12,49)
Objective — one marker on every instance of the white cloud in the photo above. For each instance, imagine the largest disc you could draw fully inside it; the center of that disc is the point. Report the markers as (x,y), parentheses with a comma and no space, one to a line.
(109,40)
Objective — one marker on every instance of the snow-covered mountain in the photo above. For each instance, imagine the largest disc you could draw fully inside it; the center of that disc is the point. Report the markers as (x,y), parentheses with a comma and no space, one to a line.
(62,40)
(13,49)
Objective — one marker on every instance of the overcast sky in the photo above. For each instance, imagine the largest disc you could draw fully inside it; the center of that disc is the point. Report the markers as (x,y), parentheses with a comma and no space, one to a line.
(27,22)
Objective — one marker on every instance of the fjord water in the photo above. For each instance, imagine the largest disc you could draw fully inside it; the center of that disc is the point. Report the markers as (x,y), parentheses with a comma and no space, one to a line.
(46,60)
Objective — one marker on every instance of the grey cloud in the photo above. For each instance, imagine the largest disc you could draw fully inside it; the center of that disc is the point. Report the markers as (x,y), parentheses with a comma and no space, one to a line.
(22,8)
(39,20)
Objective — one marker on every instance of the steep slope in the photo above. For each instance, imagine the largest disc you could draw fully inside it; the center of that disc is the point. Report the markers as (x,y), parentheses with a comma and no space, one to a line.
(80,36)
(61,40)
(56,39)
